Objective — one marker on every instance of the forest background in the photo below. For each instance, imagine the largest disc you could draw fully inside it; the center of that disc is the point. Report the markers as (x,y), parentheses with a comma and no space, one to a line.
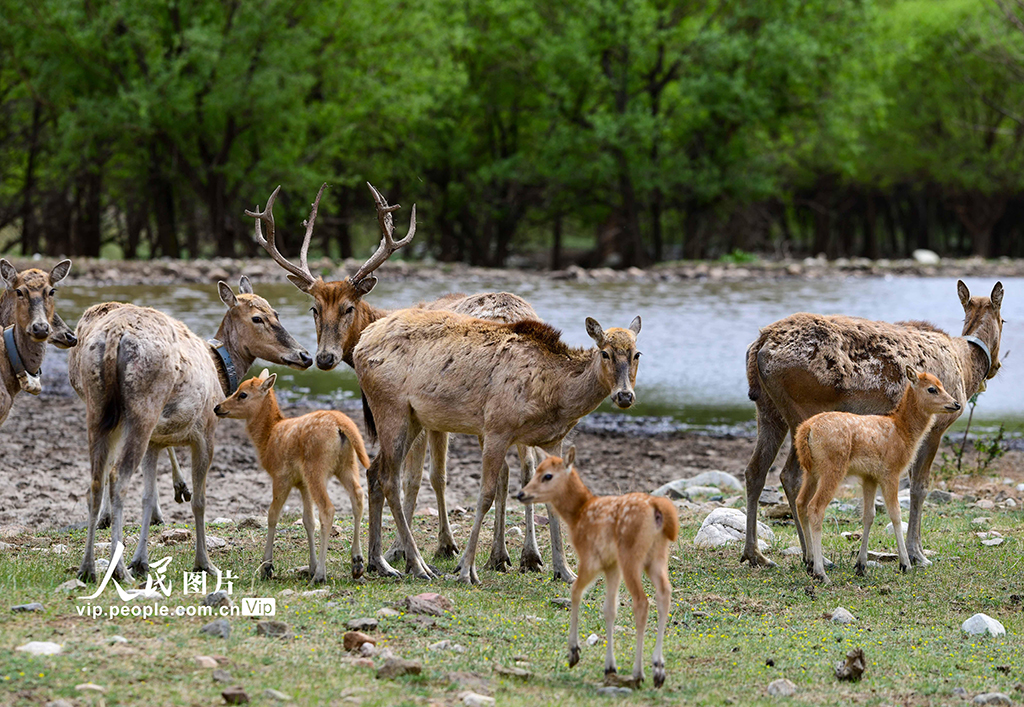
(602,132)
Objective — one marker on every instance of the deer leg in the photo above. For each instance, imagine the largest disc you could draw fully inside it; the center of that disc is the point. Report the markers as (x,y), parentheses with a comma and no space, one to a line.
(281,491)
(181,492)
(140,560)
(151,514)
(134,444)
(791,478)
(99,449)
(641,605)
(202,455)
(890,492)
(390,484)
(375,494)
(438,480)
(803,502)
(869,488)
(587,575)
(103,520)
(349,478)
(612,580)
(920,472)
(530,560)
(771,430)
(828,481)
(658,572)
(316,491)
(499,559)
(561,569)
(493,459)
(412,477)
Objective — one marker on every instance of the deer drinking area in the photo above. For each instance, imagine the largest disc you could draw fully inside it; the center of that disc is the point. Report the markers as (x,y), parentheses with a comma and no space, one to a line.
(694,337)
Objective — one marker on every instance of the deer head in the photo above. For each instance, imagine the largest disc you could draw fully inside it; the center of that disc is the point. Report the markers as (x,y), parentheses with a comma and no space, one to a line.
(619,359)
(982,319)
(929,395)
(550,480)
(339,313)
(34,296)
(252,328)
(248,400)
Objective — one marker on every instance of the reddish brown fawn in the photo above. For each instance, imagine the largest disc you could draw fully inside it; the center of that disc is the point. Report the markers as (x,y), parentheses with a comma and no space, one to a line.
(877,448)
(302,452)
(620,536)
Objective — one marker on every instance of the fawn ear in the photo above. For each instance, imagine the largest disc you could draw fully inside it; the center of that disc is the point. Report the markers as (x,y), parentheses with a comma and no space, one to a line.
(226,295)
(570,457)
(911,374)
(634,326)
(244,286)
(265,374)
(268,382)
(997,295)
(60,271)
(595,331)
(965,294)
(9,272)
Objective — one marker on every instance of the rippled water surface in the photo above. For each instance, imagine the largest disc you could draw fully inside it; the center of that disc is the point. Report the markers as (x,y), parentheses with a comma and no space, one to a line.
(693,340)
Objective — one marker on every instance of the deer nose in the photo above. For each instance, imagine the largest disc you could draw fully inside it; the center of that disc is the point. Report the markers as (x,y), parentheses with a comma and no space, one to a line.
(956,406)
(39,330)
(218,411)
(325,361)
(624,398)
(305,359)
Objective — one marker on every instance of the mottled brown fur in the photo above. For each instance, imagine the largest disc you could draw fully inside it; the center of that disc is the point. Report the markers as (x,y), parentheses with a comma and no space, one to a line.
(621,537)
(302,452)
(808,363)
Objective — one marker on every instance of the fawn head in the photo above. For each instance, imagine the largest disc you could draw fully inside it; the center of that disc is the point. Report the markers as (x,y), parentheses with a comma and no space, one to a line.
(550,479)
(619,359)
(249,398)
(254,327)
(929,394)
(34,295)
(982,319)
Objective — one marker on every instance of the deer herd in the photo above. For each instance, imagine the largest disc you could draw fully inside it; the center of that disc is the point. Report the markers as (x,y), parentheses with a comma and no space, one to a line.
(858,397)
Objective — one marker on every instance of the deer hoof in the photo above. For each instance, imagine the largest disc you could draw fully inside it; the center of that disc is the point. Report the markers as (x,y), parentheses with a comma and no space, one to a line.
(156,519)
(139,568)
(500,563)
(319,579)
(904,568)
(920,560)
(530,562)
(395,555)
(382,568)
(208,569)
(564,574)
(267,570)
(659,674)
(103,522)
(446,551)
(87,574)
(181,493)
(823,578)
(756,559)
(574,656)
(860,569)
(357,567)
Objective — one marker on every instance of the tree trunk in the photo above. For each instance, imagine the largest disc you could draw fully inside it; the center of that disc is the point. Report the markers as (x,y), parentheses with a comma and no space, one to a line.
(630,245)
(870,249)
(657,242)
(556,244)
(87,229)
(29,231)
(162,198)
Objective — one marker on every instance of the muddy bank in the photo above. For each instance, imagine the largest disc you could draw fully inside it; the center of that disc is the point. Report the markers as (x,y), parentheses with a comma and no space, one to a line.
(92,271)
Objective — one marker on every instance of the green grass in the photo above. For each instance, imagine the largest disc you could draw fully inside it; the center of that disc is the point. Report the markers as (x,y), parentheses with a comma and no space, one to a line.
(728,622)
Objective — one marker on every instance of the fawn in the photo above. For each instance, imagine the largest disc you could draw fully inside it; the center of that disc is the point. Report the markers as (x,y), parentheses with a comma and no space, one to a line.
(302,452)
(877,448)
(621,536)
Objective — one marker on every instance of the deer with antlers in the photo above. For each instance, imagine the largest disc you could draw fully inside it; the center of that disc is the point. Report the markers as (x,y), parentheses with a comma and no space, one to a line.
(26,312)
(148,383)
(341,315)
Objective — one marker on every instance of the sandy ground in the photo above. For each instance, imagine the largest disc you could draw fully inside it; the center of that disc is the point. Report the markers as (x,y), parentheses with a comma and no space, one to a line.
(44,467)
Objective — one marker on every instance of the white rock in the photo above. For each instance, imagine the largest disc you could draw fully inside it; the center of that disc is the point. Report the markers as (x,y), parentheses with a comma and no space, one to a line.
(925,257)
(117,639)
(703,491)
(472,699)
(1007,481)
(720,479)
(724,526)
(442,645)
(59,549)
(842,616)
(982,623)
(315,593)
(1020,487)
(40,648)
(388,611)
(592,639)
(1009,503)
(992,698)
(514,532)
(992,542)
(982,520)
(792,550)
(70,585)
(220,522)
(781,688)
(985,504)
(368,650)
(213,542)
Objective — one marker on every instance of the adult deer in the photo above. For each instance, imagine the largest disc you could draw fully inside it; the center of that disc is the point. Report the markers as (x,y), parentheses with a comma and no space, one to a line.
(148,382)
(340,315)
(807,363)
(505,383)
(26,310)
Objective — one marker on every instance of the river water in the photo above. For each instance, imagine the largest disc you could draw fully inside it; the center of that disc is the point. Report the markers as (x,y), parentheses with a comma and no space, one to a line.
(693,340)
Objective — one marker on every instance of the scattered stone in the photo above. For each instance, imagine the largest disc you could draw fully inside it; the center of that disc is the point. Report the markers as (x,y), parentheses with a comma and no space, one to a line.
(781,688)
(70,585)
(985,504)
(1009,503)
(514,531)
(1020,487)
(215,543)
(362,624)
(235,695)
(205,662)
(512,672)
(842,616)
(960,692)
(792,550)
(220,627)
(611,691)
(59,549)
(780,511)
(355,639)
(251,523)
(220,675)
(362,662)
(428,603)
(40,648)
(272,694)
(848,535)
(724,526)
(592,639)
(472,699)
(939,496)
(429,512)
(274,629)
(90,687)
(441,645)
(852,667)
(220,522)
(890,531)
(883,556)
(395,667)
(219,598)
(692,491)
(368,650)
(117,639)
(982,623)
(287,592)
(387,611)
(175,536)
(924,256)
(770,497)
(315,593)
(992,698)
(59,703)
(992,542)
(562,602)
(981,520)
(24,608)
(6,547)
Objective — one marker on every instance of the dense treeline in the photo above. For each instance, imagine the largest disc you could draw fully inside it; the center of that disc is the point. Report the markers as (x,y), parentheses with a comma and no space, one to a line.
(626,131)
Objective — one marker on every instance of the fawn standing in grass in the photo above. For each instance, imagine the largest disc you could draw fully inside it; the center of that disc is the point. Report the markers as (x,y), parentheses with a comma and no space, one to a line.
(302,452)
(877,448)
(621,536)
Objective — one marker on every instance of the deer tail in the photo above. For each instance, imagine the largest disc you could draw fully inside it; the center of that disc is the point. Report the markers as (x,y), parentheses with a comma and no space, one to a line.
(111,404)
(802,445)
(348,430)
(666,518)
(753,373)
(371,426)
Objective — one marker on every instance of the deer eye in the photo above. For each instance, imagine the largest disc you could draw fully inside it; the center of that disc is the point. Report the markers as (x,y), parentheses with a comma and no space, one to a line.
(350,309)
(547,477)
(315,311)
(257,320)
(51,293)
(605,354)
(20,293)
(636,356)
(243,396)
(933,390)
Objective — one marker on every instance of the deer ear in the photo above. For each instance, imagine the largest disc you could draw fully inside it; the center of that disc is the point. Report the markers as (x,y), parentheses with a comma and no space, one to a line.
(570,457)
(244,286)
(997,295)
(364,286)
(226,295)
(60,271)
(911,374)
(265,374)
(268,383)
(965,294)
(634,326)
(595,331)
(300,283)
(9,272)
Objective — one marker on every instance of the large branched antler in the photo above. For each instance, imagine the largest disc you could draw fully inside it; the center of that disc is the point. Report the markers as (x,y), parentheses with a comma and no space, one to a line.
(388,244)
(301,271)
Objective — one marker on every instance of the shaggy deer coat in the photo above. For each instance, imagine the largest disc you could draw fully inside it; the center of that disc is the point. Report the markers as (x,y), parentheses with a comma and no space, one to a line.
(808,363)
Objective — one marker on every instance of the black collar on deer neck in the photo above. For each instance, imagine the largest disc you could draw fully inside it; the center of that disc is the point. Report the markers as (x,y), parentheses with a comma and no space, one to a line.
(227,364)
(13,357)
(984,349)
